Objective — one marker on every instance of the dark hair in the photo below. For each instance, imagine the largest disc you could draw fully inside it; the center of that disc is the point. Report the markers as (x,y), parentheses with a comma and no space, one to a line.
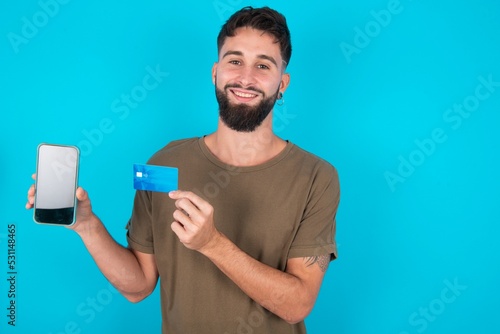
(265,19)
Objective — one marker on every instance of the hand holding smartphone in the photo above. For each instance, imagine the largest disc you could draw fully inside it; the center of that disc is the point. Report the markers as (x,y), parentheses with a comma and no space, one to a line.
(55,184)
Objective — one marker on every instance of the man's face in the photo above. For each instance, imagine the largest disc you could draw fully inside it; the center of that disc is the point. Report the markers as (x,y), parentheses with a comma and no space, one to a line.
(248,78)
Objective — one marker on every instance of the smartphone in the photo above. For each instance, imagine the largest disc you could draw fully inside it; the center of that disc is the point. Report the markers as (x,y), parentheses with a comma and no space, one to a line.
(56,183)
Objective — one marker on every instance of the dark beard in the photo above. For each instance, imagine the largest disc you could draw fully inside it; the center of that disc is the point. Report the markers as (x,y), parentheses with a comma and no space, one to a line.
(241,117)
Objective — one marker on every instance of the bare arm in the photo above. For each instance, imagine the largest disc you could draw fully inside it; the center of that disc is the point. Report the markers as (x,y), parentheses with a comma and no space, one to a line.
(290,294)
(133,273)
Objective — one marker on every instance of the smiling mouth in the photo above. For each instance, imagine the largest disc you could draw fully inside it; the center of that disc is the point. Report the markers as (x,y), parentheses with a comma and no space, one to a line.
(242,94)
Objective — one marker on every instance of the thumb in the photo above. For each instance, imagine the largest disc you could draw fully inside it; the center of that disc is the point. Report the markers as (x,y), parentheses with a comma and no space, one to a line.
(84,205)
(81,194)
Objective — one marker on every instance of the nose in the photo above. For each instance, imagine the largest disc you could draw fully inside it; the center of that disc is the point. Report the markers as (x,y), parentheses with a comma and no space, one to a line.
(246,76)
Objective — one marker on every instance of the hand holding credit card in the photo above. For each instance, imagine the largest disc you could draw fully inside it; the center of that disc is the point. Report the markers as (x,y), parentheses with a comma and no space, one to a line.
(155,178)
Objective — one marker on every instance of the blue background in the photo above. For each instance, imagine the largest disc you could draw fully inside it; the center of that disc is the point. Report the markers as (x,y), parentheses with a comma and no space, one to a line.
(368,91)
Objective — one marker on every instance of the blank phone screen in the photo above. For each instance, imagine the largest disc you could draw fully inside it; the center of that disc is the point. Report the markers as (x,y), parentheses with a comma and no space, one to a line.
(56,182)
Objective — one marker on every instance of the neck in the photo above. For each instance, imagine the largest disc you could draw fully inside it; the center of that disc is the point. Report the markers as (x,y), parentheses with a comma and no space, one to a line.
(245,148)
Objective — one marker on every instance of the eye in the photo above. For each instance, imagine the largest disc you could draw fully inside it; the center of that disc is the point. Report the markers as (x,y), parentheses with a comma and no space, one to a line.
(235,62)
(262,67)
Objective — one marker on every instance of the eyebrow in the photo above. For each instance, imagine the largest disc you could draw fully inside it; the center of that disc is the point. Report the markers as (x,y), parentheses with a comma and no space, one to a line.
(239,53)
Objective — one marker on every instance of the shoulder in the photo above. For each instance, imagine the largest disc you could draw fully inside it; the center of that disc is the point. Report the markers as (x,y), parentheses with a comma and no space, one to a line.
(174,150)
(323,191)
(313,164)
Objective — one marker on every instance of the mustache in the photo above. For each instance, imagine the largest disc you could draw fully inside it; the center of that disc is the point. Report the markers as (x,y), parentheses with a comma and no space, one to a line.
(251,88)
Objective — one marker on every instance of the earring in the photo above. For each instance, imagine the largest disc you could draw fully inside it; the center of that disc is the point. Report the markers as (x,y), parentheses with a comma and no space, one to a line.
(280,101)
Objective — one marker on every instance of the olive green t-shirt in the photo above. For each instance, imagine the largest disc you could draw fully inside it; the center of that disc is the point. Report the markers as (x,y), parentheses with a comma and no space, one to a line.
(281,209)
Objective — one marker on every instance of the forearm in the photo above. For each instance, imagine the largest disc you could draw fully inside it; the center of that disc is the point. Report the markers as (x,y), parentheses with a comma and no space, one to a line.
(290,295)
(281,293)
(117,263)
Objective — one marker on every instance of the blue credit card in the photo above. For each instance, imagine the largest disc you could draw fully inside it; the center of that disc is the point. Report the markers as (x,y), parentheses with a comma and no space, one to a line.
(155,178)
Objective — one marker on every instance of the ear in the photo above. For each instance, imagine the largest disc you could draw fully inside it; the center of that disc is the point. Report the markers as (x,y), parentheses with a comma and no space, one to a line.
(285,81)
(214,72)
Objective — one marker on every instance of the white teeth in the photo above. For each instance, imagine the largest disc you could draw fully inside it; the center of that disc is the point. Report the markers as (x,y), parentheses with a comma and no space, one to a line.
(240,94)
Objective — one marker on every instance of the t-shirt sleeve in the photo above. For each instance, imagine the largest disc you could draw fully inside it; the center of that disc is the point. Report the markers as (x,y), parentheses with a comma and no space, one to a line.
(140,231)
(316,233)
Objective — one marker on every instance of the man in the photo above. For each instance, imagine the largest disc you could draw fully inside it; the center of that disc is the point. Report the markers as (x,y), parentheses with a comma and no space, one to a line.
(244,247)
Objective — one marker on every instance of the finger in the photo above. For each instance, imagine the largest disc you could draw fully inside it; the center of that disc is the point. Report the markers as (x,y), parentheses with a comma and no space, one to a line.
(187,222)
(185,236)
(199,202)
(33,176)
(31,197)
(186,206)
(181,217)
(31,191)
(179,230)
(179,194)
